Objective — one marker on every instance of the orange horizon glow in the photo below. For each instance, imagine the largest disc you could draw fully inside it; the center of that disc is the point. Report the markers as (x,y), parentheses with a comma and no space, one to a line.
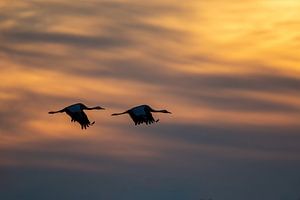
(210,63)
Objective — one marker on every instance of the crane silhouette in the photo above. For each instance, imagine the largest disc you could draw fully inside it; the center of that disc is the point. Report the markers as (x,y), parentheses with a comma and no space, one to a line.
(76,113)
(142,114)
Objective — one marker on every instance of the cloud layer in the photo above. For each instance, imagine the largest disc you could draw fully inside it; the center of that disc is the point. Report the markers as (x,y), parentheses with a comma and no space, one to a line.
(228,71)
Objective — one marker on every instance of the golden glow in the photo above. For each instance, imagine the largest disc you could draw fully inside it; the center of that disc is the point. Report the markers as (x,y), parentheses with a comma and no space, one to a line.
(54,53)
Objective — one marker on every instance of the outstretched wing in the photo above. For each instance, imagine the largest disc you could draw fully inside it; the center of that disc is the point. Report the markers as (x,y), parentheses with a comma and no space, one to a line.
(82,119)
(149,118)
(146,118)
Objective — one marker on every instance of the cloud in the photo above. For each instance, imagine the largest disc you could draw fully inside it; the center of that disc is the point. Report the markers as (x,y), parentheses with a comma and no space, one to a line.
(78,41)
(235,114)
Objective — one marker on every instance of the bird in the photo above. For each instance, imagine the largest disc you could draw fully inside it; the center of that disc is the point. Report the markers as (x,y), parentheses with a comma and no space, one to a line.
(76,113)
(142,114)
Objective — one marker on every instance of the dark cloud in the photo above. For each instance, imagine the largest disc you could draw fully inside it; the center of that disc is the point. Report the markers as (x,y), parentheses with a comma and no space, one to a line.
(251,137)
(189,174)
(127,20)
(26,54)
(148,182)
(78,41)
(238,103)
(258,82)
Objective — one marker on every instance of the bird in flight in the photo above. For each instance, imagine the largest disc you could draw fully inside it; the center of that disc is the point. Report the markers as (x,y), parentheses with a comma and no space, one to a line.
(76,113)
(142,114)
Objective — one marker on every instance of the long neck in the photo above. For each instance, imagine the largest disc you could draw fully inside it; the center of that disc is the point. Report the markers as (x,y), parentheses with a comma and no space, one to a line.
(90,108)
(59,111)
(152,110)
(120,113)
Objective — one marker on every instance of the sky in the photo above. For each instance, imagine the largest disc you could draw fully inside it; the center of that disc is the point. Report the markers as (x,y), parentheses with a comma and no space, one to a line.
(227,70)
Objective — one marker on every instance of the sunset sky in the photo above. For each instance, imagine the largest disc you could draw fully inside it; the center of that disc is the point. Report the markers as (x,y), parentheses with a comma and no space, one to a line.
(228,70)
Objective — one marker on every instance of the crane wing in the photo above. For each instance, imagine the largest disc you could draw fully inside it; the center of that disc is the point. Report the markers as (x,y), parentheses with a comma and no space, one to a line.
(82,119)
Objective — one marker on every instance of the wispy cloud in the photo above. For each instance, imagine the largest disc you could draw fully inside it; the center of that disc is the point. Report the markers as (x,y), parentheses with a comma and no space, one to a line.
(227,70)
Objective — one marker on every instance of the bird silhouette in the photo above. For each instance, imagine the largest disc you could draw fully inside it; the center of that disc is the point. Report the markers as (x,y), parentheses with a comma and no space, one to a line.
(76,113)
(142,114)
